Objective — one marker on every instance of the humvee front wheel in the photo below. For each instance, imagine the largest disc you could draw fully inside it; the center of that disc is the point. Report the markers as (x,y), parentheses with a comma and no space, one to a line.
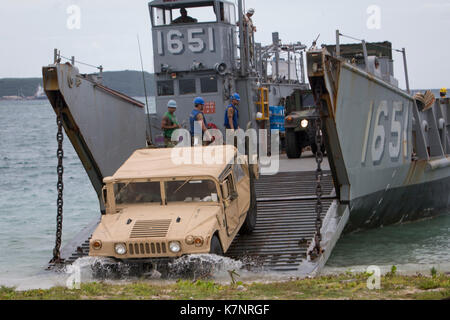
(216,246)
(293,148)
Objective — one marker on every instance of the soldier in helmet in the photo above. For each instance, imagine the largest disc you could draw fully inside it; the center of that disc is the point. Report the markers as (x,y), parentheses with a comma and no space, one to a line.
(197,116)
(232,113)
(170,123)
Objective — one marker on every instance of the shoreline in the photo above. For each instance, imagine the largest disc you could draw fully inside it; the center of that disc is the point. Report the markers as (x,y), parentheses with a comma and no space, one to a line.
(340,287)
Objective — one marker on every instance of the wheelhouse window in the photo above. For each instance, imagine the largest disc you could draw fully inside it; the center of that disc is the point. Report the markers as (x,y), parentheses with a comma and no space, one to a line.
(137,193)
(227,13)
(161,16)
(191,191)
(165,88)
(209,84)
(187,86)
(184,14)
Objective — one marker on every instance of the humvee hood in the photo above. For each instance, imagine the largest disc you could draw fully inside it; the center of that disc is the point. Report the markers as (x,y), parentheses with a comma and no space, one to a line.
(169,222)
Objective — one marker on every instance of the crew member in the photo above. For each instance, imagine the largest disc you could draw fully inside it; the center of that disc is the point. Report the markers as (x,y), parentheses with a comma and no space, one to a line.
(184,18)
(170,123)
(249,30)
(198,116)
(248,22)
(444,93)
(232,113)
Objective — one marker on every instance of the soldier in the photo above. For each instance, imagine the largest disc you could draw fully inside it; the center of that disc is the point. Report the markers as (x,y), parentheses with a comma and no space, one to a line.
(170,123)
(184,18)
(198,116)
(232,113)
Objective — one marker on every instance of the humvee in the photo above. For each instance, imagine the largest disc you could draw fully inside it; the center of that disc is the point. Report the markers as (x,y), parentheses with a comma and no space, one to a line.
(300,123)
(159,209)
(301,132)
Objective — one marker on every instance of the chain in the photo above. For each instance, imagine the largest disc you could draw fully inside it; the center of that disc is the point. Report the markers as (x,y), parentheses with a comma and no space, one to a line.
(317,251)
(60,186)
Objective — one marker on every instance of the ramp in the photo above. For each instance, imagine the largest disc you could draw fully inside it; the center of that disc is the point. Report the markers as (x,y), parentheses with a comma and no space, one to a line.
(286,224)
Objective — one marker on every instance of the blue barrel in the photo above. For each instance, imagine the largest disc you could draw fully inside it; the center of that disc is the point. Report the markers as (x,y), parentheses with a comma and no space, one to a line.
(277,118)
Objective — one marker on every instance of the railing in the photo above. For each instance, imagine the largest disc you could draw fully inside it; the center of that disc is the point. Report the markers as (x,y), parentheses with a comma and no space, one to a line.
(58,58)
(363,42)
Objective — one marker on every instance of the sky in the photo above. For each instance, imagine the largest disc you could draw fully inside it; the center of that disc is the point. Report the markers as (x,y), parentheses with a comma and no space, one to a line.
(107,32)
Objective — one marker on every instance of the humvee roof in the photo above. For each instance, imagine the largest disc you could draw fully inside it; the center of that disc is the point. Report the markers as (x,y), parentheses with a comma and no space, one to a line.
(158,163)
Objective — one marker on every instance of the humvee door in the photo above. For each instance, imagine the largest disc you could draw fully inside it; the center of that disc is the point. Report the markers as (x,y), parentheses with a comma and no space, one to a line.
(231,204)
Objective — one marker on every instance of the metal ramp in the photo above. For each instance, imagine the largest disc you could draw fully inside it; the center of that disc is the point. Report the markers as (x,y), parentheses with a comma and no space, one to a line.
(286,225)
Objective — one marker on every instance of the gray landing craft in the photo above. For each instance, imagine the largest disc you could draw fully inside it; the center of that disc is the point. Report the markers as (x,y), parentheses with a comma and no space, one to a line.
(387,150)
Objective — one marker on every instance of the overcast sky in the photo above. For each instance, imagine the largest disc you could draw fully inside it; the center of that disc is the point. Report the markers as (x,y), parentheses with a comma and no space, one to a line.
(30,29)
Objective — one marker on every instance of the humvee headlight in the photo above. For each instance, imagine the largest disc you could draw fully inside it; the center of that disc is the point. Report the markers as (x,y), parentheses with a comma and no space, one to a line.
(97,245)
(175,247)
(304,123)
(121,249)
(190,240)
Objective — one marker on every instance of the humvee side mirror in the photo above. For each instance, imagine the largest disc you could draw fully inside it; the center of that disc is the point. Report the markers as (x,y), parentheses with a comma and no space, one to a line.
(227,203)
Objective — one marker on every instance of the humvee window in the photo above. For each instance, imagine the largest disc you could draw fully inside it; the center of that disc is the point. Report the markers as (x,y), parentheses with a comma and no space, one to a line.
(137,193)
(166,88)
(191,191)
(209,84)
(187,86)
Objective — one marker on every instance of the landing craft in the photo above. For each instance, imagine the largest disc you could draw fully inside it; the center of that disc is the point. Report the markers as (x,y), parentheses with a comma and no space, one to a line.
(388,151)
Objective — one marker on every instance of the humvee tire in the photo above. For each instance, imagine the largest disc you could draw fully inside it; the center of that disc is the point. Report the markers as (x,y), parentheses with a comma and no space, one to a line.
(216,246)
(250,221)
(293,148)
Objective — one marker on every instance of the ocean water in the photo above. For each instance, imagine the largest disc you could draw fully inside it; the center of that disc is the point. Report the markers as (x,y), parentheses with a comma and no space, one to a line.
(28,210)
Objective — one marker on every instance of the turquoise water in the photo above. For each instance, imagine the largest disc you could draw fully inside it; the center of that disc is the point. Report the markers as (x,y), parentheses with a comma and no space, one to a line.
(28,207)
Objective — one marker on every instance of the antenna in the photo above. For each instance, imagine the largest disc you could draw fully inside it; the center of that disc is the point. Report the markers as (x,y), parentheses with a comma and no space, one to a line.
(149,132)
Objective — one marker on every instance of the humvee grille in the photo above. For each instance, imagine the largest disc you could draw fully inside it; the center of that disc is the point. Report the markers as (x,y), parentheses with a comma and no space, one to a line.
(150,229)
(147,248)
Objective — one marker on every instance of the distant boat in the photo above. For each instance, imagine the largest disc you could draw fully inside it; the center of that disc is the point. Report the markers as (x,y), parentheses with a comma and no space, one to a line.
(12,98)
(40,93)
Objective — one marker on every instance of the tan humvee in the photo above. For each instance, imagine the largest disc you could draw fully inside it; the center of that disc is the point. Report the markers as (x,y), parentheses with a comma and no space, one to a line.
(157,208)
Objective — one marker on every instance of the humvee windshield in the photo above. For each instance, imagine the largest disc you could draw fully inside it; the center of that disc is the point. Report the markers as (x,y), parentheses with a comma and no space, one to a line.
(176,191)
(191,191)
(137,193)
